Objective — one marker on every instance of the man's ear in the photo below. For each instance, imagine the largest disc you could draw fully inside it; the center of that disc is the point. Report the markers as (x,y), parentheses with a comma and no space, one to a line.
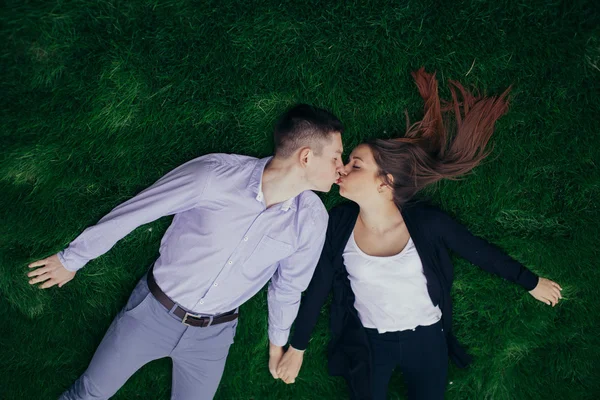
(305,154)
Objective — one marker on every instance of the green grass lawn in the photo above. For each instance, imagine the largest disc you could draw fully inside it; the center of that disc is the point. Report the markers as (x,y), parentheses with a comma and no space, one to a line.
(101,98)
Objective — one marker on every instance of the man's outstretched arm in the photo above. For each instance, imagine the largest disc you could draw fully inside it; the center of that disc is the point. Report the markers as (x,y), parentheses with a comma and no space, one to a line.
(178,191)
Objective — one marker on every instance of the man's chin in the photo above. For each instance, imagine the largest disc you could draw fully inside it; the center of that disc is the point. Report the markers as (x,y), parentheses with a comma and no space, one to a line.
(324,189)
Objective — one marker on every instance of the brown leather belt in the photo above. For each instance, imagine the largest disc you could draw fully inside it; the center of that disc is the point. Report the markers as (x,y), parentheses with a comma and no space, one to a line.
(186,317)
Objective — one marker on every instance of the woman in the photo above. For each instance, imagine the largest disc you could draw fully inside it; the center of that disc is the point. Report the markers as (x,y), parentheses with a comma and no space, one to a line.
(387,259)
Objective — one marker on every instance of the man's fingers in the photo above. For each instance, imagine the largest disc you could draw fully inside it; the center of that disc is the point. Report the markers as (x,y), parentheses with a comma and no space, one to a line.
(556,285)
(274,373)
(39,271)
(38,263)
(48,284)
(64,283)
(40,278)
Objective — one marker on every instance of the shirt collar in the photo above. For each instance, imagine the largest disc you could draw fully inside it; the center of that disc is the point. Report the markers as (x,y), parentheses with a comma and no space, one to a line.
(255,184)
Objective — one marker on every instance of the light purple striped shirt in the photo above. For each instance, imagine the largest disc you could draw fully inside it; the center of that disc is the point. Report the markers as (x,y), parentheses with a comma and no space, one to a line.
(223,245)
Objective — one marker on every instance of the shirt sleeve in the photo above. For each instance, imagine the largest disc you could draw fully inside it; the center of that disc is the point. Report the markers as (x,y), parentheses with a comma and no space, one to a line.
(482,253)
(315,296)
(178,191)
(292,277)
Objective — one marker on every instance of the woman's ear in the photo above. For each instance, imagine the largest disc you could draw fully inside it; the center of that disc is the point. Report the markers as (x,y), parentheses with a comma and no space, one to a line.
(386,184)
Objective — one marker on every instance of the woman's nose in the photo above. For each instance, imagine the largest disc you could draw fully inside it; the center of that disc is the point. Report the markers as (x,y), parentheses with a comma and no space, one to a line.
(346,169)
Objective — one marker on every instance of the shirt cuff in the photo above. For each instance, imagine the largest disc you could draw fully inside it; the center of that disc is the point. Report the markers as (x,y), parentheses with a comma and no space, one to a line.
(278,337)
(69,262)
(298,345)
(528,280)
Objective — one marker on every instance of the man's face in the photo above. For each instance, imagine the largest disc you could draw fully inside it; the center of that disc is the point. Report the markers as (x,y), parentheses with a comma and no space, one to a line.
(324,170)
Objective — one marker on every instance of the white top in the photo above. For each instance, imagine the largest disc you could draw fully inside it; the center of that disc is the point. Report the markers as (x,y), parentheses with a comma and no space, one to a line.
(391,292)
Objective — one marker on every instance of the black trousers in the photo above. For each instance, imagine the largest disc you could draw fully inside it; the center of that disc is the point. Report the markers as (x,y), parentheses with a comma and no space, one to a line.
(421,355)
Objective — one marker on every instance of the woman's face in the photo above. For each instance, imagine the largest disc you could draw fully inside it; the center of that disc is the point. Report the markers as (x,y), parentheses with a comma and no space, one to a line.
(361,182)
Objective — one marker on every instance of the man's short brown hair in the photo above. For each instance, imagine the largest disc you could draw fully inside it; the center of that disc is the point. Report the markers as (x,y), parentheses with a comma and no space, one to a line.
(304,125)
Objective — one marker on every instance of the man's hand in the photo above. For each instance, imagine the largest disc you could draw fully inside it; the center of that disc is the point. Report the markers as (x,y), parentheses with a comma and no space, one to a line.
(290,364)
(547,291)
(275,353)
(52,273)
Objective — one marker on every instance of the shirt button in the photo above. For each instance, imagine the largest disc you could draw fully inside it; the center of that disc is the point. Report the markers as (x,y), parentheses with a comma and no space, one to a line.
(201,301)
(216,284)
(229,262)
(245,238)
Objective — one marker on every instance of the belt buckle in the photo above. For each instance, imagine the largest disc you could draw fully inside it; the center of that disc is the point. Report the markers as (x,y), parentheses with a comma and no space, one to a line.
(205,321)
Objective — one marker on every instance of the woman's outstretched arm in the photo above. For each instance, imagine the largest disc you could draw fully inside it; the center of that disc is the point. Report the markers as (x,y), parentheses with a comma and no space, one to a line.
(489,257)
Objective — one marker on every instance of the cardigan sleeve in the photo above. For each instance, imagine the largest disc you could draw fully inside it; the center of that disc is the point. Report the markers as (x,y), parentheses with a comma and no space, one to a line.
(480,252)
(316,294)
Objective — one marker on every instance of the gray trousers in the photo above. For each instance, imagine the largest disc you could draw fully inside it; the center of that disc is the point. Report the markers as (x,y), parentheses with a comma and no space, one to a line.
(144,331)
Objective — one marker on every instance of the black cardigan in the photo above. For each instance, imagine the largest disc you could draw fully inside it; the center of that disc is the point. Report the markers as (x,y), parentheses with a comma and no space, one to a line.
(434,233)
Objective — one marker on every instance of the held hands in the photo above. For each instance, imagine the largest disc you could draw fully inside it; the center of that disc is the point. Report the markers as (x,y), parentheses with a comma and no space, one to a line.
(52,273)
(290,364)
(275,354)
(547,291)
(285,365)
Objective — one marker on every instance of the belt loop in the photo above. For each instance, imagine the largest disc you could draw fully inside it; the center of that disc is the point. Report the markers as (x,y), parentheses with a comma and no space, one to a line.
(172,310)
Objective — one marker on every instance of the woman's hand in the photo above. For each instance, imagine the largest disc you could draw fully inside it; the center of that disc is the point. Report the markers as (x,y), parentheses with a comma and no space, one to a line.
(290,364)
(547,291)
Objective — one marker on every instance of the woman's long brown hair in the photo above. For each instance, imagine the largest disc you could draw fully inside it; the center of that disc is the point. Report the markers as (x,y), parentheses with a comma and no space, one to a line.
(449,141)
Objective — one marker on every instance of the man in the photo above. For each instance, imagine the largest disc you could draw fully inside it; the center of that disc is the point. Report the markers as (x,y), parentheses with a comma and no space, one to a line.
(238,222)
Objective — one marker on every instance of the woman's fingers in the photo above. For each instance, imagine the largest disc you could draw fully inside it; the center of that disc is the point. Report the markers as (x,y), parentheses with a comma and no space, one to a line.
(287,378)
(546,299)
(283,376)
(558,293)
(554,295)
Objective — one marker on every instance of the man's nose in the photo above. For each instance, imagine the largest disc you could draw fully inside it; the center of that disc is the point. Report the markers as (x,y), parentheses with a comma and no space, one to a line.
(344,170)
